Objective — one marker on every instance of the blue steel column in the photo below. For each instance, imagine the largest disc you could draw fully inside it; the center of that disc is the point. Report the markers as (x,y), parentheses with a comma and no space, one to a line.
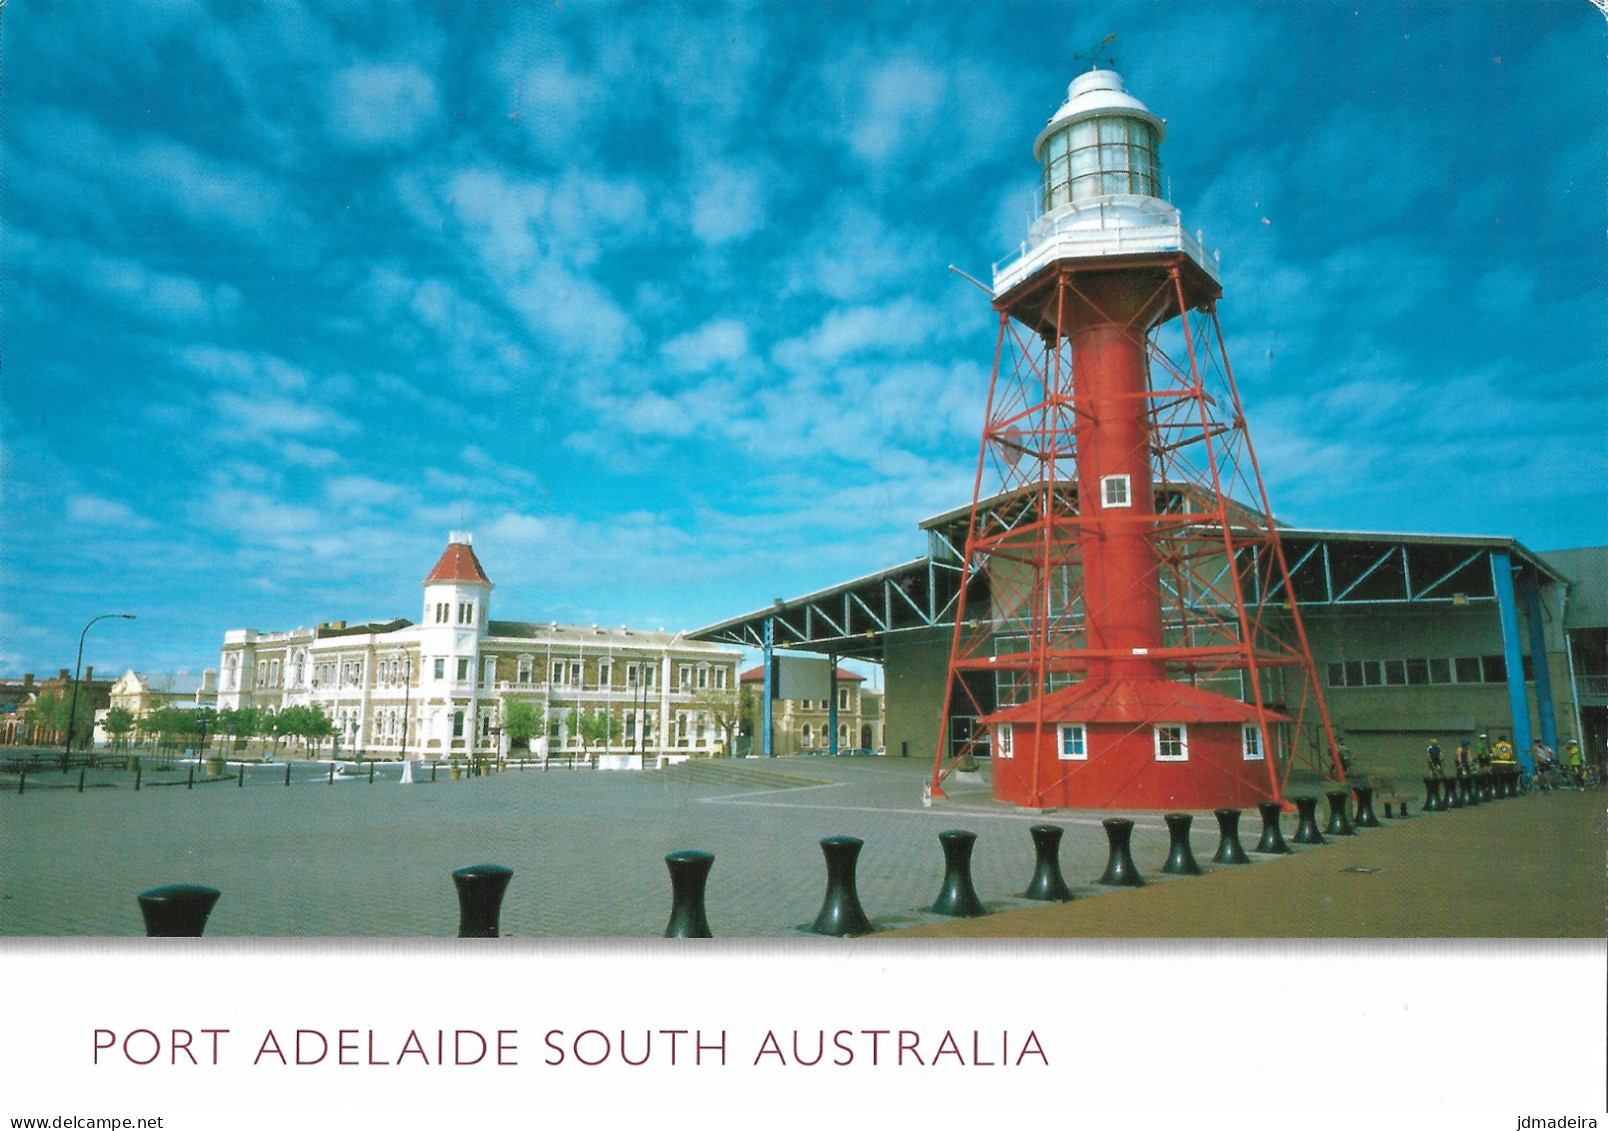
(770,688)
(1502,576)
(831,710)
(1530,594)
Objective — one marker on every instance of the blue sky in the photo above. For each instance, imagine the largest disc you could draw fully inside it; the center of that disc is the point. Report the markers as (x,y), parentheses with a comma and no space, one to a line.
(655,299)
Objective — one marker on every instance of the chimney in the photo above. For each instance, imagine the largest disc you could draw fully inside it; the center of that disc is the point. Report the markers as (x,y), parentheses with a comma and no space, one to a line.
(62,675)
(89,673)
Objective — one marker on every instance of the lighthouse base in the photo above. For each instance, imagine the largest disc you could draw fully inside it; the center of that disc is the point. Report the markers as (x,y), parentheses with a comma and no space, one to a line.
(1132,744)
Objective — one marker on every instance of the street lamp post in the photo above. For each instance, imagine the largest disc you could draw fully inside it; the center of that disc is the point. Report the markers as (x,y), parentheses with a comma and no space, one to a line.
(407,691)
(78,667)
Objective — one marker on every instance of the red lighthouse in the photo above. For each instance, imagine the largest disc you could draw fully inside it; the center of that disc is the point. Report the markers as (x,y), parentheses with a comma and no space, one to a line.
(1128,637)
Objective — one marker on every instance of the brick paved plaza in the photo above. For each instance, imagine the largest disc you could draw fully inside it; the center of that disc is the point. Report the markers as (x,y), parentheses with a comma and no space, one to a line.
(587,848)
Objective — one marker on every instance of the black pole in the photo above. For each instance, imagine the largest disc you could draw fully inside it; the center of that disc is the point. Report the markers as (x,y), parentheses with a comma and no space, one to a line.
(1180,858)
(1272,842)
(689,874)
(177,910)
(841,915)
(1229,849)
(78,668)
(480,894)
(1047,883)
(1306,827)
(1339,823)
(957,897)
(1120,870)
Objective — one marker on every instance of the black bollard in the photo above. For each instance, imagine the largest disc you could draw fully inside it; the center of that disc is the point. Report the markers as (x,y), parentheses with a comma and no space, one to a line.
(22,780)
(1339,823)
(689,872)
(177,910)
(242,781)
(80,779)
(332,773)
(480,895)
(1272,842)
(1229,849)
(1365,818)
(190,784)
(287,773)
(1120,871)
(1432,797)
(840,915)
(1047,883)
(1487,791)
(1451,795)
(957,897)
(1306,826)
(1180,860)
(371,773)
(1466,790)
(432,771)
(138,769)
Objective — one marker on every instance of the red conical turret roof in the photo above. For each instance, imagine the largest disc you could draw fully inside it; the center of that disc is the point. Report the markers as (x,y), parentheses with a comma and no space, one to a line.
(458,563)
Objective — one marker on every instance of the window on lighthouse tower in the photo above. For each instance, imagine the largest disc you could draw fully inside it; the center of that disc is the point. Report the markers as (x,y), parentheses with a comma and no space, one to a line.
(1100,156)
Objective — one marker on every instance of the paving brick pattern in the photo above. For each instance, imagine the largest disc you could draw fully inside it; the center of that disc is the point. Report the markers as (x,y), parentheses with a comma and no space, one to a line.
(586,848)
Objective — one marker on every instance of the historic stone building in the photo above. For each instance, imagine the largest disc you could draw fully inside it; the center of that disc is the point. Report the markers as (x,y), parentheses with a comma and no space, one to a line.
(440,688)
(803,726)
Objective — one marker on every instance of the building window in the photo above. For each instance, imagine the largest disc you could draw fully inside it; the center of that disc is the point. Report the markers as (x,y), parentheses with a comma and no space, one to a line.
(843,698)
(440,668)
(703,676)
(809,735)
(463,668)
(1172,744)
(1467,669)
(1004,741)
(1493,669)
(1114,491)
(843,735)
(684,676)
(526,663)
(1251,742)
(1440,671)
(457,724)
(1395,673)
(273,673)
(1074,745)
(605,673)
(720,679)
(489,672)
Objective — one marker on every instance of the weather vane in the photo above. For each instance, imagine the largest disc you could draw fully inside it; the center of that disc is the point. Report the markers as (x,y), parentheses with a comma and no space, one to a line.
(1097,54)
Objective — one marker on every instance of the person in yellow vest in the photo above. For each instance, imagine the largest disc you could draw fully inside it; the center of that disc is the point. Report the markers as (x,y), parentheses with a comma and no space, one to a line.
(1502,754)
(1575,763)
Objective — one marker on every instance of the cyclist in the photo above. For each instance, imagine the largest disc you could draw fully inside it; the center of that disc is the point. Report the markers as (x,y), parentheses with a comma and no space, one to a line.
(1434,752)
(1575,763)
(1546,766)
(1482,755)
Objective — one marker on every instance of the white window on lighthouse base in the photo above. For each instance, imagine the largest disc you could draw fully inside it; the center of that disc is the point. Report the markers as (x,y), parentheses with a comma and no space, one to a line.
(1253,743)
(1115,491)
(1002,741)
(1172,743)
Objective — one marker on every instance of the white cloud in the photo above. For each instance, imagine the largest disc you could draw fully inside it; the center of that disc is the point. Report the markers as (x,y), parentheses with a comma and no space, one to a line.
(382,104)
(728,204)
(266,415)
(721,342)
(93,510)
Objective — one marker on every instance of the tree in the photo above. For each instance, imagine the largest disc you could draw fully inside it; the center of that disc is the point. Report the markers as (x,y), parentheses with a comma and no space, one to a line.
(317,726)
(51,709)
(119,724)
(241,724)
(521,721)
(595,728)
(724,709)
